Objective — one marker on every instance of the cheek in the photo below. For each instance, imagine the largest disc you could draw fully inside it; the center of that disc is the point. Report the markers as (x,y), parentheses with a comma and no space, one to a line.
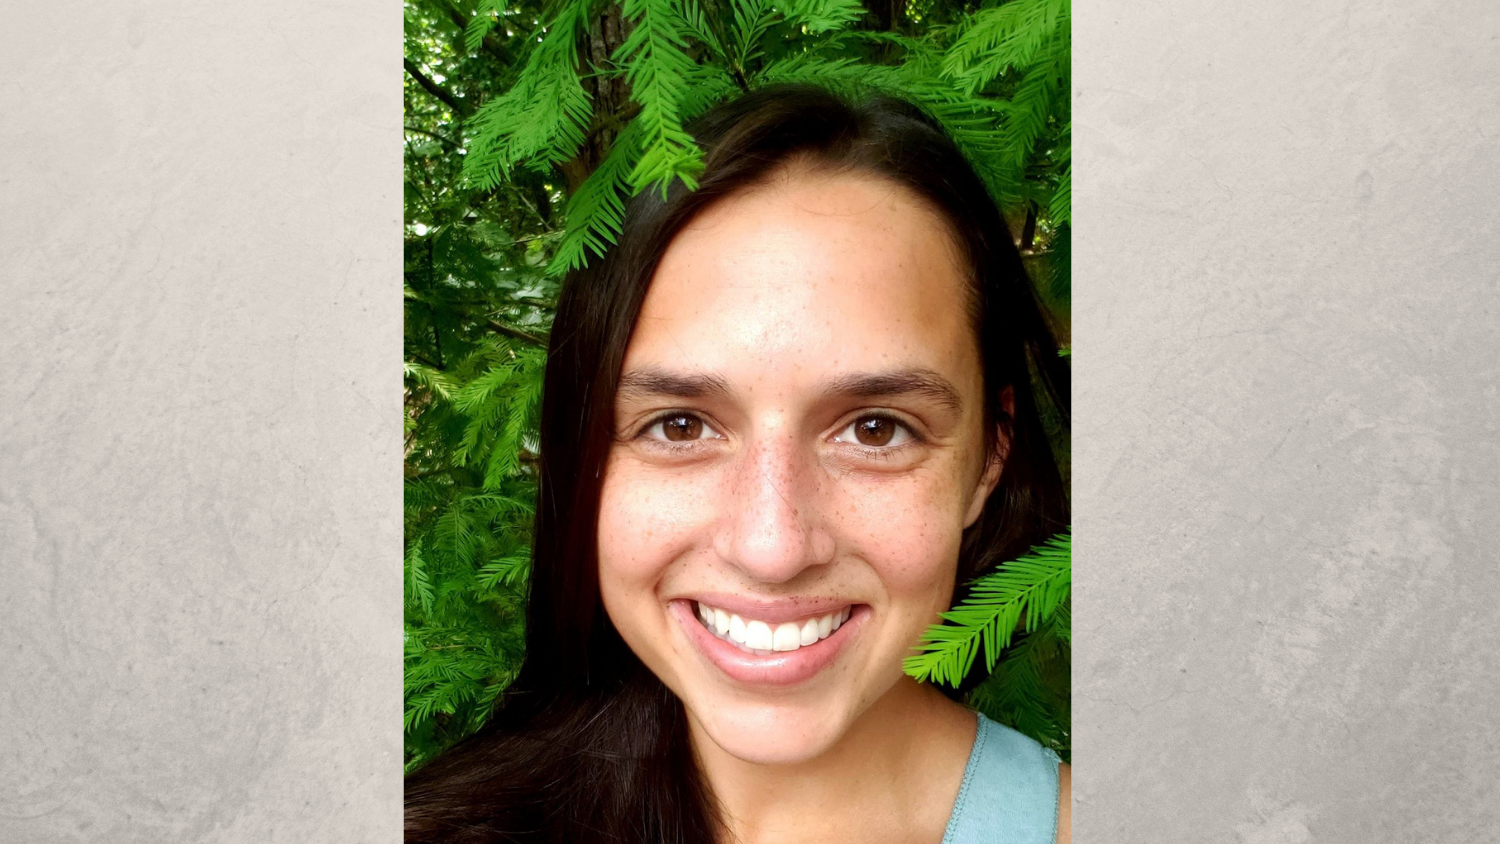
(908,529)
(645,524)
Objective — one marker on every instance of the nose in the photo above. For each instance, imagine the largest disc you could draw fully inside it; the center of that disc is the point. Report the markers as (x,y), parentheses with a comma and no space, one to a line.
(773,527)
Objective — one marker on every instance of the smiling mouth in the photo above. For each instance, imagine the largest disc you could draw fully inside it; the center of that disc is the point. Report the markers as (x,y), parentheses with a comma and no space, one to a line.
(763,638)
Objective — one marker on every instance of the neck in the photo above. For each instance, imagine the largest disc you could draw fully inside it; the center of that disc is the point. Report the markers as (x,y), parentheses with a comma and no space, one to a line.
(892,776)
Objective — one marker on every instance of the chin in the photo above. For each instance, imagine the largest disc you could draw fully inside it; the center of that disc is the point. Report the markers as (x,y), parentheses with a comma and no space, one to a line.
(775,734)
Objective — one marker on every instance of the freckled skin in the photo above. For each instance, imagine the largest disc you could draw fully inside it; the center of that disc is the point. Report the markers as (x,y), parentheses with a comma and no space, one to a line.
(777,290)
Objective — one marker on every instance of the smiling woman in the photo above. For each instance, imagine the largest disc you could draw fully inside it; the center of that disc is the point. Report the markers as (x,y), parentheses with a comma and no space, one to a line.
(783,419)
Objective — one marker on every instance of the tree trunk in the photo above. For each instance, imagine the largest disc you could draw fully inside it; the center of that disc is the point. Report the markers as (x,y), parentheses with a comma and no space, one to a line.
(610,94)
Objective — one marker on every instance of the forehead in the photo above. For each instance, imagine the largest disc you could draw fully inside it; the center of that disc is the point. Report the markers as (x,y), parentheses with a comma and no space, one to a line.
(810,270)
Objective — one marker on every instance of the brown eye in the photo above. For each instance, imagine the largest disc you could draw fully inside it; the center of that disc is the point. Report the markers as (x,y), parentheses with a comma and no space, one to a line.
(682,428)
(678,427)
(874,430)
(881,432)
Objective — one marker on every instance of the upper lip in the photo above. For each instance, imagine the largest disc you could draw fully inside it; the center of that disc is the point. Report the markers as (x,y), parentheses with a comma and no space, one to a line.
(771,609)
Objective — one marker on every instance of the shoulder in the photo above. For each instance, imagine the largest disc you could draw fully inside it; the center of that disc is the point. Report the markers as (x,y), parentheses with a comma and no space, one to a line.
(1012,791)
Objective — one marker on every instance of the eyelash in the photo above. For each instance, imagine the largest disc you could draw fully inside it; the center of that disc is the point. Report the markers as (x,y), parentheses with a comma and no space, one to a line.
(875,452)
(672,447)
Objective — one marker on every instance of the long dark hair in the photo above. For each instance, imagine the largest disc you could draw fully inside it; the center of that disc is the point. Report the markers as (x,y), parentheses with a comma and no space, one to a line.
(587,744)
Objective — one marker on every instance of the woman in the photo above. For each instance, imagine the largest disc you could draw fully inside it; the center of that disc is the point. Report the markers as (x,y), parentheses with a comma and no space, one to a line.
(784,419)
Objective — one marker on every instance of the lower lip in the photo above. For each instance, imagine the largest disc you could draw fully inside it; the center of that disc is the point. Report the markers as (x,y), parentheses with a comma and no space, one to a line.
(784,668)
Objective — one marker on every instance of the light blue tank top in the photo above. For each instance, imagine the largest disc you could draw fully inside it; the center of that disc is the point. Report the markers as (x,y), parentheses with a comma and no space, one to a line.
(1009,793)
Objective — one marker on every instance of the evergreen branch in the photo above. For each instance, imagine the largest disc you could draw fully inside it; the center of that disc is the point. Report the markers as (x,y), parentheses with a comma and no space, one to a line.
(459,107)
(435,136)
(1031,105)
(751,20)
(1029,688)
(657,66)
(509,571)
(701,26)
(1026,590)
(491,44)
(434,379)
(508,331)
(419,589)
(542,117)
(820,16)
(1002,37)
(1060,208)
(486,13)
(596,211)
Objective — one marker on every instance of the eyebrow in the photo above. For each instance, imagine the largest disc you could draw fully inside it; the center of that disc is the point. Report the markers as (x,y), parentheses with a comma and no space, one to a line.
(898,382)
(918,381)
(654,381)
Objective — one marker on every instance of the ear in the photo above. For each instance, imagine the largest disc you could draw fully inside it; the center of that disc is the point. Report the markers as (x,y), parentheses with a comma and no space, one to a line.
(990,478)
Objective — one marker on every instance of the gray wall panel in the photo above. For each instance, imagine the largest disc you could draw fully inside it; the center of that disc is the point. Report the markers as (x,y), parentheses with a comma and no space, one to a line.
(200,425)
(1285,453)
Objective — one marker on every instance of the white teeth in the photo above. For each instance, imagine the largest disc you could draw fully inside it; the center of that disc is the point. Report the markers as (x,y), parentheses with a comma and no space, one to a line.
(758,635)
(762,637)
(809,632)
(787,637)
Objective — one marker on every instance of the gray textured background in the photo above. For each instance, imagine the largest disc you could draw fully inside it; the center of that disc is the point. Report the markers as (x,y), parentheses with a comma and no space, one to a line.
(1287,433)
(1286,422)
(200,306)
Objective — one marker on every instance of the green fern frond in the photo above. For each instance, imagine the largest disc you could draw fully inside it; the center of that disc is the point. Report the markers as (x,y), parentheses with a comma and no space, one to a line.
(596,211)
(433,379)
(520,417)
(1060,208)
(844,76)
(486,13)
(752,18)
(510,571)
(419,591)
(1026,591)
(1003,37)
(697,23)
(542,117)
(1029,689)
(656,62)
(820,16)
(455,534)
(1032,103)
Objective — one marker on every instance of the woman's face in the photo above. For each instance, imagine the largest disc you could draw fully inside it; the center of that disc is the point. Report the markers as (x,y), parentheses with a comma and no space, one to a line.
(799,446)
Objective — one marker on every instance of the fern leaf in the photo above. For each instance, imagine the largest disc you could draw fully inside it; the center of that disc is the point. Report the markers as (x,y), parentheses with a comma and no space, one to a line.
(751,20)
(656,68)
(419,591)
(1026,590)
(439,382)
(486,13)
(1032,103)
(542,117)
(820,16)
(1060,208)
(596,211)
(1003,37)
(510,571)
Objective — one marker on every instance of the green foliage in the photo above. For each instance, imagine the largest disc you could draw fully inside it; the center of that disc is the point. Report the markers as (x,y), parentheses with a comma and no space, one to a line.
(1026,591)
(1027,595)
(657,67)
(520,154)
